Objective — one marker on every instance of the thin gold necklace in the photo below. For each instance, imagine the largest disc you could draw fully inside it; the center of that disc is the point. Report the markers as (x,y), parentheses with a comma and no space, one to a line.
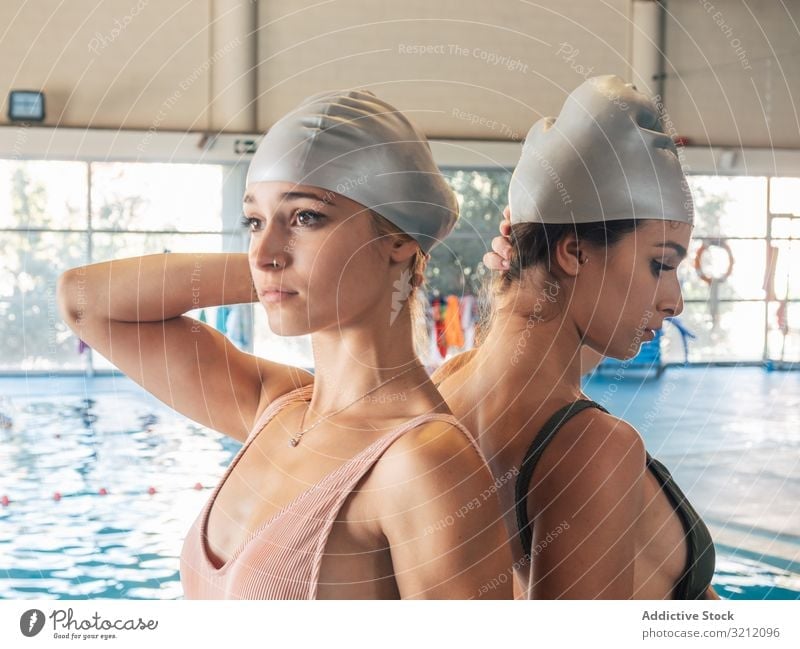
(295,440)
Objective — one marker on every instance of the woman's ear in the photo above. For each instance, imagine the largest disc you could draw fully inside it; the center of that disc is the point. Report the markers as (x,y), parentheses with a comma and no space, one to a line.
(569,256)
(402,250)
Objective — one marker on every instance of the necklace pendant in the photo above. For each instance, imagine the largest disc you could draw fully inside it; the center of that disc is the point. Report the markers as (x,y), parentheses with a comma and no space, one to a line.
(293,442)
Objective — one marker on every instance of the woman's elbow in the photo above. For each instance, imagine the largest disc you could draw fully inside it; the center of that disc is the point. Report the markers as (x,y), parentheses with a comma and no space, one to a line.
(71,303)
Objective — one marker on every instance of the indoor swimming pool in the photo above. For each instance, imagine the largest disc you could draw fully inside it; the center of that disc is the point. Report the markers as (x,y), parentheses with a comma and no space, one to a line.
(100,482)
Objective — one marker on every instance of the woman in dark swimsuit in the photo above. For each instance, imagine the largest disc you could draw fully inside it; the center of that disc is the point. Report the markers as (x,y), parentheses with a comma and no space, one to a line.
(600,217)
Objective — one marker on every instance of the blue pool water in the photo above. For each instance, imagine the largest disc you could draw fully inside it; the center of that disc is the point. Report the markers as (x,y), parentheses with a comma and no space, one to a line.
(121,545)
(730,437)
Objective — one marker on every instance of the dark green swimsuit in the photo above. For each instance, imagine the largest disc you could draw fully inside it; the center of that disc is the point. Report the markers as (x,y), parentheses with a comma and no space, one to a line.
(700,558)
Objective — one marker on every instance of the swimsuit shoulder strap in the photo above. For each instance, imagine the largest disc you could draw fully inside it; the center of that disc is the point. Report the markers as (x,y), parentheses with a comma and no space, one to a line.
(532,456)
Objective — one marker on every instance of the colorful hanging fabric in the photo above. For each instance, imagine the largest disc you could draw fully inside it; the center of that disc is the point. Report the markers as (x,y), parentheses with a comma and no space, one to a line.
(454,334)
(468,318)
(234,327)
(222,318)
(438,319)
(773,253)
(783,317)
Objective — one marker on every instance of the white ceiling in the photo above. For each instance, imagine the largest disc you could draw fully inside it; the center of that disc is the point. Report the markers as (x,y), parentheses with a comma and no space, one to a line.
(489,71)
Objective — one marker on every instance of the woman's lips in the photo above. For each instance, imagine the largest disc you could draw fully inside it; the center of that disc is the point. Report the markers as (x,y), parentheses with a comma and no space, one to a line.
(272,296)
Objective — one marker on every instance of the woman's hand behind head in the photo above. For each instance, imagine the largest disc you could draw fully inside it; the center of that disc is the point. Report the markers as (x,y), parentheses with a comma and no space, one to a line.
(501,246)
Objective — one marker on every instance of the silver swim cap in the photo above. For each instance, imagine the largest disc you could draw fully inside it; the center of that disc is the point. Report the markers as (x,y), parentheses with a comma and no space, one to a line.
(606,157)
(354,144)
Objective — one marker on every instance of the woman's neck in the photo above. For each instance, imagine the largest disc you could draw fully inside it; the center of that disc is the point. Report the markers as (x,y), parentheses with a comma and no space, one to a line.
(532,347)
(351,361)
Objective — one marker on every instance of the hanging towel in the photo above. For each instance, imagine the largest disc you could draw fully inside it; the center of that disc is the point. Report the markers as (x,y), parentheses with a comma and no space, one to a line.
(432,357)
(782,316)
(454,334)
(438,320)
(222,318)
(234,327)
(468,320)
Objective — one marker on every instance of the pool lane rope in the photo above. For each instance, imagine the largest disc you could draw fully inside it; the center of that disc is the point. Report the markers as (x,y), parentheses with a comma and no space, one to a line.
(5,501)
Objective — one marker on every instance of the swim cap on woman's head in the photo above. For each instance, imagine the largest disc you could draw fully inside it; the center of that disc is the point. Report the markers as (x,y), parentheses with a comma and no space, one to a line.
(605,158)
(354,144)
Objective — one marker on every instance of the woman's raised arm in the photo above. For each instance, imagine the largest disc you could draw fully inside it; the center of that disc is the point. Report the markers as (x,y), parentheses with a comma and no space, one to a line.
(131,311)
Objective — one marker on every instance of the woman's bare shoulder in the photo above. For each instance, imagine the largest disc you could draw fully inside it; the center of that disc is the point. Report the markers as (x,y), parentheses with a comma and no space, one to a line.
(451,365)
(430,468)
(428,455)
(592,444)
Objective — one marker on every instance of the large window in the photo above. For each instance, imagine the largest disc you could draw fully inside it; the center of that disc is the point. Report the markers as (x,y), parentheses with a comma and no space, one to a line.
(741,292)
(43,216)
(56,215)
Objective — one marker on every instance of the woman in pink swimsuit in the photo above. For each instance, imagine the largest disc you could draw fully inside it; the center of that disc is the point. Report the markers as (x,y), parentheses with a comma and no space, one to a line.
(353,482)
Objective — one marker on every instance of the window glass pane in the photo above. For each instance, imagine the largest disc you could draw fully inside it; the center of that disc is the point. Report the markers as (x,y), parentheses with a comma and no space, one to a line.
(784,196)
(783,337)
(107,246)
(785,227)
(747,274)
(482,196)
(43,194)
(787,270)
(729,206)
(455,268)
(32,334)
(149,196)
(738,336)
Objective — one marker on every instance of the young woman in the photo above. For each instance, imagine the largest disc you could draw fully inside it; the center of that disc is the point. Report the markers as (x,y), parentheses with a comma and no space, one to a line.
(600,218)
(350,481)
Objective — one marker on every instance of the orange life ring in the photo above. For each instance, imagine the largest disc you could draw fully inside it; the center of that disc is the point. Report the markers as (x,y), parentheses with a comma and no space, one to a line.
(699,256)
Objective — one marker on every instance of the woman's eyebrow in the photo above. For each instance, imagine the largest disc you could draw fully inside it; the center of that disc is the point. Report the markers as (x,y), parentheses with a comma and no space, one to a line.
(678,248)
(288,196)
(325,198)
